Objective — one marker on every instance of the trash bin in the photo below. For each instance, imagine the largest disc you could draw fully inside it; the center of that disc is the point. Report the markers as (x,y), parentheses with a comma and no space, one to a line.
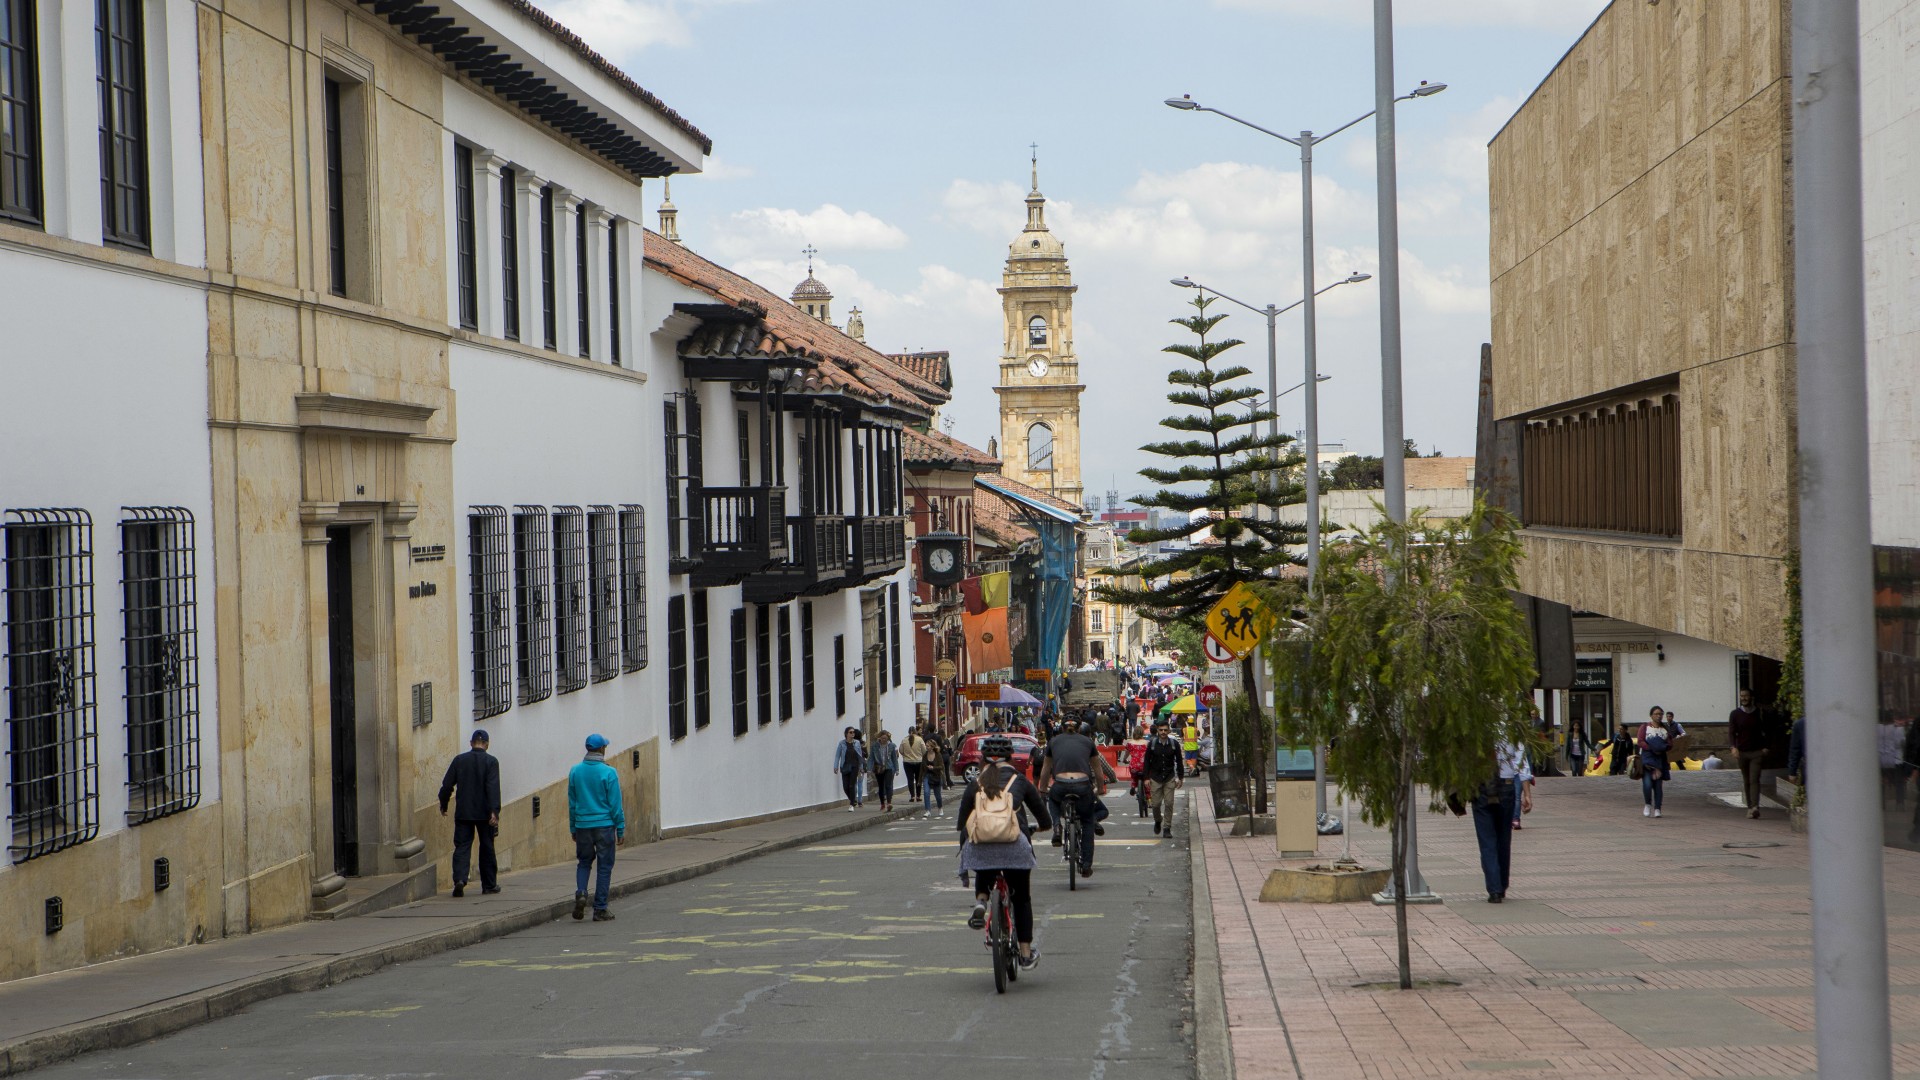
(1296,823)
(1229,785)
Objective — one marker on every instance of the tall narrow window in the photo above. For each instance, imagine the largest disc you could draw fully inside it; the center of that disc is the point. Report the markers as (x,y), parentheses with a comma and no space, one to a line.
(52,764)
(19,113)
(806,655)
(488,559)
(336,191)
(162,660)
(737,627)
(509,255)
(120,41)
(580,281)
(532,604)
(613,292)
(786,663)
(569,599)
(884,629)
(763,665)
(633,587)
(466,258)
(743,425)
(548,301)
(603,589)
(839,674)
(677,667)
(1040,448)
(1036,332)
(893,640)
(702,664)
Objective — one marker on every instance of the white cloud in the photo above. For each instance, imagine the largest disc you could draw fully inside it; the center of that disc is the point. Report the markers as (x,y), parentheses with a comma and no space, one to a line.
(717,168)
(830,228)
(623,28)
(1563,16)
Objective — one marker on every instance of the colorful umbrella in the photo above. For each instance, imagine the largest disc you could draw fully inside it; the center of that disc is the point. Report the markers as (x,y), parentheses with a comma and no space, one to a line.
(1183,705)
(1010,697)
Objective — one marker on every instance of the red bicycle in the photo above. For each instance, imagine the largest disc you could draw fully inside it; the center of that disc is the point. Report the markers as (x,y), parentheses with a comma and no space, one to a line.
(1006,959)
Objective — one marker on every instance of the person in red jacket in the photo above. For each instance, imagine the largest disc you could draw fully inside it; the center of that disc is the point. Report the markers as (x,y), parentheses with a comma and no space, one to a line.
(1749,746)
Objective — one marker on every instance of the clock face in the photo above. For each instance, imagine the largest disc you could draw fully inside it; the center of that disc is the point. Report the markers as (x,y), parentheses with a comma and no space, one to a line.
(1037,367)
(940,559)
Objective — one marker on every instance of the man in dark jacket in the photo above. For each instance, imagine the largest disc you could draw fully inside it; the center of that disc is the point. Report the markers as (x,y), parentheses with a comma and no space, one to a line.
(1749,745)
(1163,776)
(476,776)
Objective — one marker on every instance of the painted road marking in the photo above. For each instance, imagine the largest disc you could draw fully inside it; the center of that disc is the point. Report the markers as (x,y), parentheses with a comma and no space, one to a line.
(951,844)
(387,1013)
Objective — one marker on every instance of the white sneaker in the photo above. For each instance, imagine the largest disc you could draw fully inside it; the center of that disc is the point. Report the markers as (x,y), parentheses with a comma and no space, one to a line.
(1646,811)
(849,809)
(1656,813)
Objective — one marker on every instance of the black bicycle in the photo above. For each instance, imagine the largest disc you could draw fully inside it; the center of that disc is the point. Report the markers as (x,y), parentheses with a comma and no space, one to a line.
(1006,957)
(1070,838)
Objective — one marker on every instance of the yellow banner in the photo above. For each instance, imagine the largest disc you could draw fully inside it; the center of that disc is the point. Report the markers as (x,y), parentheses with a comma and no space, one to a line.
(1240,620)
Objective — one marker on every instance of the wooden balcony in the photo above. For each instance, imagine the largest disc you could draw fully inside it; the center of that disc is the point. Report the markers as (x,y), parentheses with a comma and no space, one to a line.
(816,561)
(740,531)
(878,547)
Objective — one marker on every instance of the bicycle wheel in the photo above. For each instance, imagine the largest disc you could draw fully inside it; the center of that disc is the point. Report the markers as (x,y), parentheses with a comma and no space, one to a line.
(1070,843)
(1002,941)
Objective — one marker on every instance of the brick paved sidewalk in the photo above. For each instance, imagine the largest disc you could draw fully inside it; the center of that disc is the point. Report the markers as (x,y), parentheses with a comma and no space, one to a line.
(1626,947)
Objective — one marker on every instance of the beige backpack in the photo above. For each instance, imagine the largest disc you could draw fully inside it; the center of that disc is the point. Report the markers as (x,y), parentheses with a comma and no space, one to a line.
(995,819)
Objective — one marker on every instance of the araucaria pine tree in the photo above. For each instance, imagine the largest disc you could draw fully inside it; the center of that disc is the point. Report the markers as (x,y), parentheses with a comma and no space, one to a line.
(1226,484)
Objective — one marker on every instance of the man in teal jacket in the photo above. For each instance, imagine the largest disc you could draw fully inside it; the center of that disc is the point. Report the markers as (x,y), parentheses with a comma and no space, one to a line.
(598,821)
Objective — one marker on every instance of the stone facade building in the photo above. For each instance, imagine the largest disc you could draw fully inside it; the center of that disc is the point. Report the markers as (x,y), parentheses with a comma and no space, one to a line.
(1040,384)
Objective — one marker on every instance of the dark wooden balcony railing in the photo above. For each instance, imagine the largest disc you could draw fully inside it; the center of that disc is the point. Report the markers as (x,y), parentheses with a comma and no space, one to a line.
(816,561)
(879,546)
(741,532)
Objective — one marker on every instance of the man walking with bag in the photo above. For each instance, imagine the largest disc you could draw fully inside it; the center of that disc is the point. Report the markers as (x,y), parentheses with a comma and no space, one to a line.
(913,755)
(475,776)
(599,822)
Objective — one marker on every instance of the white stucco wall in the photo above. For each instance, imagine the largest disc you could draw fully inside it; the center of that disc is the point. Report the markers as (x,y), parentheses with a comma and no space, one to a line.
(105,413)
(1890,122)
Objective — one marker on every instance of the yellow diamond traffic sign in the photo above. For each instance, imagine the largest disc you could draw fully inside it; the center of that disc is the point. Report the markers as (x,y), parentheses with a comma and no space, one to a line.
(1239,620)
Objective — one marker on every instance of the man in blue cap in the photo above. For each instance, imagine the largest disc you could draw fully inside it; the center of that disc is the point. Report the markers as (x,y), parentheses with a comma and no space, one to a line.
(475,775)
(599,822)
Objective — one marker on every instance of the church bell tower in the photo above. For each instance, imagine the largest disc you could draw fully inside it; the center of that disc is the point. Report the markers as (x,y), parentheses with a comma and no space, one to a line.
(1039,375)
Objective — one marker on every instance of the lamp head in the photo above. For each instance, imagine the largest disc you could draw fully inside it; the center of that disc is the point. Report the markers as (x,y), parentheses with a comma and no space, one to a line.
(1184,283)
(1357,277)
(1427,89)
(1321,378)
(1184,101)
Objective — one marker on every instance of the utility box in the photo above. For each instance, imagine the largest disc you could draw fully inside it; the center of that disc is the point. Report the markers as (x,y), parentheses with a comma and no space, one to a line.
(1295,820)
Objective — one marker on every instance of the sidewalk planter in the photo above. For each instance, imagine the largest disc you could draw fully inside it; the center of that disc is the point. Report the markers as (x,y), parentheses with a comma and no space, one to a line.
(1323,885)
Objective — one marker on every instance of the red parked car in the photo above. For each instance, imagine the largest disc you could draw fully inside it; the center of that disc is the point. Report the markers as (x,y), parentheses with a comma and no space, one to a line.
(966,761)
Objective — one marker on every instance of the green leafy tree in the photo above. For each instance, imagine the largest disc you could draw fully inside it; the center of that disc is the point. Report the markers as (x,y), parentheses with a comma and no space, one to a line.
(1183,640)
(1415,664)
(1364,472)
(1222,481)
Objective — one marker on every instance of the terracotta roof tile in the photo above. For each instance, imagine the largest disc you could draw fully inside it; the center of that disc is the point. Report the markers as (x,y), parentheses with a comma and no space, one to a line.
(1004,483)
(994,515)
(939,448)
(935,367)
(612,71)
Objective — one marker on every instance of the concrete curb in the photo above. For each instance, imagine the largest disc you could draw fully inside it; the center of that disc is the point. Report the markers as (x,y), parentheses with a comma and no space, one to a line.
(1212,1045)
(175,1014)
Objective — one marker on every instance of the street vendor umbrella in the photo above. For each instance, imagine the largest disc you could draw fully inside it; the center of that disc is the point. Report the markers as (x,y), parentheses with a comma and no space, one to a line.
(1010,697)
(1182,705)
(1173,677)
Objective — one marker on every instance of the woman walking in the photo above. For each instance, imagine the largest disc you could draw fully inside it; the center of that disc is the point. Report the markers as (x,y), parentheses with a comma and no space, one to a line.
(1655,738)
(886,762)
(848,760)
(932,776)
(989,857)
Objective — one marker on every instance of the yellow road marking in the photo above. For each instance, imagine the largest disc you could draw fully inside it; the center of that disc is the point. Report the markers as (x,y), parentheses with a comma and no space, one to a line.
(387,1013)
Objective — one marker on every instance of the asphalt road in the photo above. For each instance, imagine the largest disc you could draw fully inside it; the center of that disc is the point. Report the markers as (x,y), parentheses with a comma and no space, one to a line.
(849,959)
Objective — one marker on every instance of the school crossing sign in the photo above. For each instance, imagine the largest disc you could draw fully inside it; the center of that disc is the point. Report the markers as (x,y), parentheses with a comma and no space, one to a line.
(1239,621)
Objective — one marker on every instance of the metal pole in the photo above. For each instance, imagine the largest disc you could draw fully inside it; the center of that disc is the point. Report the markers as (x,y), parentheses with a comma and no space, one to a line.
(1853,1034)
(1273,400)
(1392,426)
(1312,405)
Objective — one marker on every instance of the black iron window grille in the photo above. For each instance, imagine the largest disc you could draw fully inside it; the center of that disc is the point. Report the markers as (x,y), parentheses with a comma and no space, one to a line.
(633,587)
(613,292)
(893,641)
(509,255)
(548,300)
(763,665)
(786,663)
(880,674)
(737,625)
(684,476)
(162,661)
(52,749)
(120,40)
(467,257)
(677,667)
(806,655)
(569,599)
(580,261)
(603,583)
(532,604)
(336,191)
(19,113)
(839,675)
(489,561)
(702,664)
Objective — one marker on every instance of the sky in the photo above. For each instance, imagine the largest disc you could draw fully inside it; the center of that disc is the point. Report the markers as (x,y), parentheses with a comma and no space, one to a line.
(894,138)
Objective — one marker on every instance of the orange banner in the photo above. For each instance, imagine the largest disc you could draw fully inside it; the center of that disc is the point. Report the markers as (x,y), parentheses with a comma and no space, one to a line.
(988,648)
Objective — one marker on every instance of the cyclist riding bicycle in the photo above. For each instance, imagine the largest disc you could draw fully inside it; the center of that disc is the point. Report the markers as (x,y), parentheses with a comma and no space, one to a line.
(1076,767)
(1013,860)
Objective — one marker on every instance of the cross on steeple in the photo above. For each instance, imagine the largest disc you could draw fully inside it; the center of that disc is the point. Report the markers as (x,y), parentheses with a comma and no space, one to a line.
(809,251)
(1036,165)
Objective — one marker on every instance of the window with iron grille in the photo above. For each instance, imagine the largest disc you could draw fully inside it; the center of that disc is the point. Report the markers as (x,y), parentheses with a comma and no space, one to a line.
(737,627)
(467,258)
(743,425)
(613,292)
(786,663)
(893,642)
(633,587)
(162,662)
(677,667)
(880,643)
(549,302)
(839,675)
(806,655)
(488,561)
(120,44)
(336,190)
(510,254)
(569,599)
(580,280)
(19,113)
(702,664)
(52,751)
(682,419)
(603,587)
(763,665)
(532,604)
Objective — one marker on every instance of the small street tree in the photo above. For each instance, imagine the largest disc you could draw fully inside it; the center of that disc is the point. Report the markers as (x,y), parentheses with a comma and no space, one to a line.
(1414,664)
(1229,478)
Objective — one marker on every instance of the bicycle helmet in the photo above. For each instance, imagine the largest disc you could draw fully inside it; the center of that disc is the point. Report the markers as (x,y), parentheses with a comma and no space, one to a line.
(997,748)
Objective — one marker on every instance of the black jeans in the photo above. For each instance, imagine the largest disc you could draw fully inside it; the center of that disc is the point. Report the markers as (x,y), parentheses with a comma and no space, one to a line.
(1085,808)
(883,787)
(463,834)
(1493,827)
(1019,891)
(913,780)
(850,783)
